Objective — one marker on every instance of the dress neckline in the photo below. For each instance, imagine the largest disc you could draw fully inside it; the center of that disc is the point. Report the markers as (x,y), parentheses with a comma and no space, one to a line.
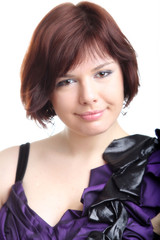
(114,147)
(19,192)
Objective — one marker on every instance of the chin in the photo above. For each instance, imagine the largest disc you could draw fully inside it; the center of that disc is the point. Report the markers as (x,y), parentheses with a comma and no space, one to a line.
(93,131)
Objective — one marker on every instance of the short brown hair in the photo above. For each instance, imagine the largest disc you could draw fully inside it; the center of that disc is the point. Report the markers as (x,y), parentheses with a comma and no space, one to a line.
(60,41)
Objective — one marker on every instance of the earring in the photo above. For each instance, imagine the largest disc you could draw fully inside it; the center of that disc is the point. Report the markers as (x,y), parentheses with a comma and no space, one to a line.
(125,107)
(50,113)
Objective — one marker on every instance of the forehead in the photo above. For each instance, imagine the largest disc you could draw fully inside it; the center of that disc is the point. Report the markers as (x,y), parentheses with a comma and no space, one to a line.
(91,60)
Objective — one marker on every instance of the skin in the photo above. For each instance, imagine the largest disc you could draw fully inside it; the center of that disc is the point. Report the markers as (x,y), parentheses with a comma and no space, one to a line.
(94,85)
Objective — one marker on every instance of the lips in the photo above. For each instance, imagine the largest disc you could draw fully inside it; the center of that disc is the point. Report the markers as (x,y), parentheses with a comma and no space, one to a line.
(91,115)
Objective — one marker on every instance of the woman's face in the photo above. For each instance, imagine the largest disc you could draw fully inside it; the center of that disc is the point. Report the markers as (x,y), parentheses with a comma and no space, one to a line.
(89,98)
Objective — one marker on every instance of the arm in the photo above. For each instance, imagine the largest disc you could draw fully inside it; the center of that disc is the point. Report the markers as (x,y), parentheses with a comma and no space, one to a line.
(156,224)
(8,165)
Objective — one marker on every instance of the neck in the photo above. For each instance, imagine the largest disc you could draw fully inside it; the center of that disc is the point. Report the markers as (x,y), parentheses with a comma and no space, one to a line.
(91,145)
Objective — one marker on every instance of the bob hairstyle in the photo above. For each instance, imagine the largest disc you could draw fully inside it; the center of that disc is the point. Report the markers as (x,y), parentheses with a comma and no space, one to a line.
(60,42)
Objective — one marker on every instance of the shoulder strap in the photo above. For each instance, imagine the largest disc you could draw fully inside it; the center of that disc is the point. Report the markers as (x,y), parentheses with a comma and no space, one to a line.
(22,161)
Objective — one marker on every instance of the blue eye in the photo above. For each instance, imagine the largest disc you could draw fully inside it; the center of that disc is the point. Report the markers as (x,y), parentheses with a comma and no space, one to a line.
(65,82)
(103,74)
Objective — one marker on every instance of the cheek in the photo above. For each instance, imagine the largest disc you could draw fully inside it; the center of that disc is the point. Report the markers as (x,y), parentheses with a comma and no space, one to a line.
(114,93)
(119,87)
(62,101)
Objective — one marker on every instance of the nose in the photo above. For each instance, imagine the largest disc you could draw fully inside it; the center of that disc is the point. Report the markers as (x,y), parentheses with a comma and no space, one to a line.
(88,93)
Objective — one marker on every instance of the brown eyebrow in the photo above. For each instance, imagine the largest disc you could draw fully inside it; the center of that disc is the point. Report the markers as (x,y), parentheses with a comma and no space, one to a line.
(102,65)
(94,69)
(67,76)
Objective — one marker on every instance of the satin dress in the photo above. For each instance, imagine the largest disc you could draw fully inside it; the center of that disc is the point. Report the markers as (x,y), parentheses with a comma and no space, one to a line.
(119,202)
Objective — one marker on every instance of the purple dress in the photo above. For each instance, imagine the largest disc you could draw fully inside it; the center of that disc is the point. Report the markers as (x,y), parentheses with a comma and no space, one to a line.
(119,202)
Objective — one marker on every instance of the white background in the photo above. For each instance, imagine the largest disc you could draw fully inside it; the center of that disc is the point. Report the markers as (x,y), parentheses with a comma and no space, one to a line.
(140,22)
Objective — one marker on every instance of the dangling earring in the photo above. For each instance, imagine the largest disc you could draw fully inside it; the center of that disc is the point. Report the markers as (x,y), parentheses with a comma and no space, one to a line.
(124,108)
(51,121)
(50,127)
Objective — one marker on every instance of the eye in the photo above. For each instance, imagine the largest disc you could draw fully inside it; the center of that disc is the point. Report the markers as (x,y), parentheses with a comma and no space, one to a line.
(65,82)
(103,74)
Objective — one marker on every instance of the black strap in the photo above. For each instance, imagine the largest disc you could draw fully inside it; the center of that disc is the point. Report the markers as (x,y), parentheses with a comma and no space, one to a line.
(22,161)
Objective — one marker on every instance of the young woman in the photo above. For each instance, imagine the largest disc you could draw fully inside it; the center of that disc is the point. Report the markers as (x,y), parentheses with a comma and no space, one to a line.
(92,180)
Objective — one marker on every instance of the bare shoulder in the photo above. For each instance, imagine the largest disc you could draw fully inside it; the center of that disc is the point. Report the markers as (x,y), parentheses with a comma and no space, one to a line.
(51,144)
(8,165)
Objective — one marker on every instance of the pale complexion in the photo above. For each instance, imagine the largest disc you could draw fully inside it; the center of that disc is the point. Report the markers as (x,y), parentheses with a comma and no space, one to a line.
(88,99)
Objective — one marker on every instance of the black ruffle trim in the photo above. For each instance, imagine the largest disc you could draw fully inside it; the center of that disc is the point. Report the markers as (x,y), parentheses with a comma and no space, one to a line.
(127,158)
